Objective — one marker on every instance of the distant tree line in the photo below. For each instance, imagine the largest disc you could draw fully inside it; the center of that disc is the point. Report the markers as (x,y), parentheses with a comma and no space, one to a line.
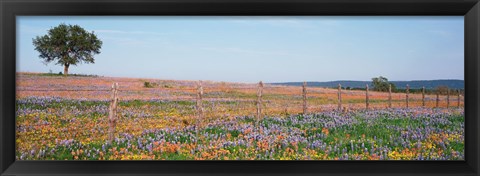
(381,84)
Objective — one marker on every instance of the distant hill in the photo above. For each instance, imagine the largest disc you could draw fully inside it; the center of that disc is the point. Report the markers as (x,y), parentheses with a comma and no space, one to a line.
(429,84)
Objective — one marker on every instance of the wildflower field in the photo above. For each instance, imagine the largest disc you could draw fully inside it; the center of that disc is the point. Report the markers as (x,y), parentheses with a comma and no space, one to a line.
(66,118)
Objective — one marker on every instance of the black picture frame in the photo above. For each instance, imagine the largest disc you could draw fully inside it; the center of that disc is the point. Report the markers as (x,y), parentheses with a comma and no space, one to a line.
(9,9)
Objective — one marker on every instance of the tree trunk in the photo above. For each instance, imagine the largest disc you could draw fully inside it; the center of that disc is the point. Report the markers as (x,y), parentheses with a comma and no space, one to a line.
(65,69)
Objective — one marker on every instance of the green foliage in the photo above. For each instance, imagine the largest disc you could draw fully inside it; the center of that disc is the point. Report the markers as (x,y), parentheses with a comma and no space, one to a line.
(67,45)
(215,130)
(394,88)
(147,84)
(235,133)
(381,84)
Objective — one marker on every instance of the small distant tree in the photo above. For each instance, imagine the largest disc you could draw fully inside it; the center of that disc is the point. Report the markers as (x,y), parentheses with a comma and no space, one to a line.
(67,45)
(442,90)
(381,84)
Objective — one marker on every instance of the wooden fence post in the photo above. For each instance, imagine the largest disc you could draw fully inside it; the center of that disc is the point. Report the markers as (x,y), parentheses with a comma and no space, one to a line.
(458,98)
(448,97)
(112,115)
(406,95)
(304,97)
(423,96)
(366,97)
(437,100)
(199,106)
(339,97)
(389,95)
(259,101)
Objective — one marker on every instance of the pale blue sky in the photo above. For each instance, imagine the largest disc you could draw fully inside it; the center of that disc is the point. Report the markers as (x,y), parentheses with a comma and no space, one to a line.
(272,49)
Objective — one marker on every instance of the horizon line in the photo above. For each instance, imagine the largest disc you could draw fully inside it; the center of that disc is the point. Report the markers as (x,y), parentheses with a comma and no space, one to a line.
(443,79)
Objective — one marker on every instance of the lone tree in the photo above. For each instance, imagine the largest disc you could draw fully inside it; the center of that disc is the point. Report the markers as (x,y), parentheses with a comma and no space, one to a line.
(381,84)
(67,45)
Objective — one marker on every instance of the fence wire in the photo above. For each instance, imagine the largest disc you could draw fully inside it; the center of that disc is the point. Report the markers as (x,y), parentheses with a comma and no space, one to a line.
(284,99)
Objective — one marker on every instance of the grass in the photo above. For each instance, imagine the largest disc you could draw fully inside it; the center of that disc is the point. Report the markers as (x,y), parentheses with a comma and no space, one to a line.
(229,130)
(366,133)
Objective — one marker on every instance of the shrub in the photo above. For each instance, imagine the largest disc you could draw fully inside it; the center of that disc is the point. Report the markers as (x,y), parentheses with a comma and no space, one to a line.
(147,84)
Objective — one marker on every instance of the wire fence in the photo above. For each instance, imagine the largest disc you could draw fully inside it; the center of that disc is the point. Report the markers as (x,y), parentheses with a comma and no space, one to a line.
(273,100)
(273,96)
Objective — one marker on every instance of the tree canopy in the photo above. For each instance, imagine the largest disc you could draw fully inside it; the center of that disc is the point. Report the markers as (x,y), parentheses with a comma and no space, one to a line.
(381,84)
(67,45)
